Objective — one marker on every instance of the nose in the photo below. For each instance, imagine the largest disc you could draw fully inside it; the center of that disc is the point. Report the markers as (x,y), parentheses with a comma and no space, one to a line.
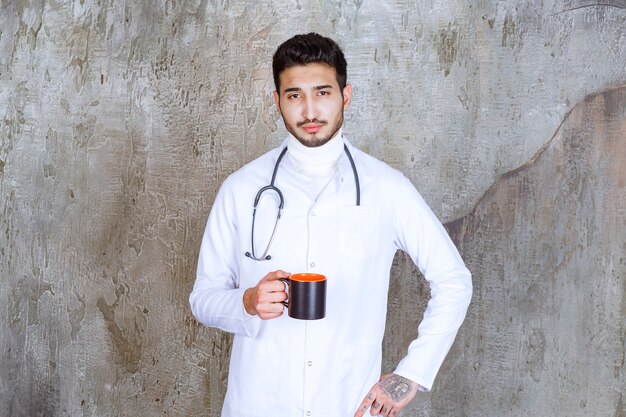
(309,109)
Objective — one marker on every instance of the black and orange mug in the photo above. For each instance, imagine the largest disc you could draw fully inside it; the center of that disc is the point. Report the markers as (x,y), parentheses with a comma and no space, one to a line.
(307,296)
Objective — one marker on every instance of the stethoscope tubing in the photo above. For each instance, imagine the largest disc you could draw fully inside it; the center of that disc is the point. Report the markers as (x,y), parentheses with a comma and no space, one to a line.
(272,187)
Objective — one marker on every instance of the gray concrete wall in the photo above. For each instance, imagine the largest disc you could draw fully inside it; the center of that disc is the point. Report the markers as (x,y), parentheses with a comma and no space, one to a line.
(120,119)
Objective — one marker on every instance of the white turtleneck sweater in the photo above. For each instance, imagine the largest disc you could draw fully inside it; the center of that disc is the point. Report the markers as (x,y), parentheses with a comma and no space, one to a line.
(319,163)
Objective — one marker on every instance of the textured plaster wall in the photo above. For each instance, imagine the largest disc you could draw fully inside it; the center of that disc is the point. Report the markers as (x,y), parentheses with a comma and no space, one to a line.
(120,119)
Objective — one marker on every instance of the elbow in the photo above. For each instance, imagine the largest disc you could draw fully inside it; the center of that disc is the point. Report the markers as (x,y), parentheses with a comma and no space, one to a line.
(193,303)
(469,288)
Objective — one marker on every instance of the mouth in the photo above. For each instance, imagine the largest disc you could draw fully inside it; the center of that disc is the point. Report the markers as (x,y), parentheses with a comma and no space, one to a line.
(312,127)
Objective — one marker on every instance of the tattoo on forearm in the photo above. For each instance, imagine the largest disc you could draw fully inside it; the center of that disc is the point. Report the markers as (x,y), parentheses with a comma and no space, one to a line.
(396,387)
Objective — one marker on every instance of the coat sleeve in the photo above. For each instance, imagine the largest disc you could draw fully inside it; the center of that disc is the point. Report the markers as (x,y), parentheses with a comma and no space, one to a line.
(216,299)
(420,234)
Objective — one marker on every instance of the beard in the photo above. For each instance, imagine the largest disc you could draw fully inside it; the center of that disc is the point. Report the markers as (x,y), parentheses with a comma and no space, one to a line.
(313,140)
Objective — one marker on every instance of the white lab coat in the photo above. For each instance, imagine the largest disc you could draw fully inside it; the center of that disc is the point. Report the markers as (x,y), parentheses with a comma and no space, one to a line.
(288,367)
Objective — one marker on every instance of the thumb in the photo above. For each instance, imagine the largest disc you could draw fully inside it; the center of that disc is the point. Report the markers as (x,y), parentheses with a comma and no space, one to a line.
(272,276)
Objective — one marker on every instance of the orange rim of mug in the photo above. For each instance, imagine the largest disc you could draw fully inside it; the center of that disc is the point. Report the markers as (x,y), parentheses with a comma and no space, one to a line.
(307,277)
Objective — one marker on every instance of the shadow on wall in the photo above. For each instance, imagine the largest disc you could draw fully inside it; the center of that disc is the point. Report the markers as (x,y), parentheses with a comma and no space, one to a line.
(545,334)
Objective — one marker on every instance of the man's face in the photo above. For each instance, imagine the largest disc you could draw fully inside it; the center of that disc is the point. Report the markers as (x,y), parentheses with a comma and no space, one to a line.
(311,102)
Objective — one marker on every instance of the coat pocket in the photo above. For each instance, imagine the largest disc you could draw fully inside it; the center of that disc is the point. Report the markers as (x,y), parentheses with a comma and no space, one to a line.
(359,231)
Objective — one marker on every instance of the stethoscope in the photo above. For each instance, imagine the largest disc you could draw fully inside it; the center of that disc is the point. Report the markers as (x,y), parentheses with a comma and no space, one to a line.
(281,204)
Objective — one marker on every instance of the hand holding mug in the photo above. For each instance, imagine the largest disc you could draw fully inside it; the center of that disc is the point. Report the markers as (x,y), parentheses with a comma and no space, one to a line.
(306,295)
(265,299)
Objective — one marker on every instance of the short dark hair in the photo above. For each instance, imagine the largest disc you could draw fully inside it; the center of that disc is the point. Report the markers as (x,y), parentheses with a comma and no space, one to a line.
(310,48)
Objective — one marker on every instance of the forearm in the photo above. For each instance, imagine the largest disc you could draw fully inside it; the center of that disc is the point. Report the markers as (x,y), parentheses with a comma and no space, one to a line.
(224,309)
(436,333)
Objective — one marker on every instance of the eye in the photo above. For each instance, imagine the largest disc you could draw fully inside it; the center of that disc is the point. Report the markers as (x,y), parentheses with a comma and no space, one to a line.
(324,93)
(293,96)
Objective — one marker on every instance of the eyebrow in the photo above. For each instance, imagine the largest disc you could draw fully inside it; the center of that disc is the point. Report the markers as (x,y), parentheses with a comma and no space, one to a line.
(317,87)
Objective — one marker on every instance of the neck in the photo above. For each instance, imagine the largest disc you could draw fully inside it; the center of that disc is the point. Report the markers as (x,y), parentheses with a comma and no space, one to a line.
(319,161)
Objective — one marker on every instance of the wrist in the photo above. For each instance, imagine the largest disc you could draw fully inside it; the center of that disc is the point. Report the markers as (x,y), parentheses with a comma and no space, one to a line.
(247,302)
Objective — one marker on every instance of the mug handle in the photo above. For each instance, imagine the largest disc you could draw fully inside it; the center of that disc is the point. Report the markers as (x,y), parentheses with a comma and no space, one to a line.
(286,282)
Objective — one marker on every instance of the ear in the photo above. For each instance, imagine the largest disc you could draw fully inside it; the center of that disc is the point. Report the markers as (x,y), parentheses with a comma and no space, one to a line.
(347,95)
(277,100)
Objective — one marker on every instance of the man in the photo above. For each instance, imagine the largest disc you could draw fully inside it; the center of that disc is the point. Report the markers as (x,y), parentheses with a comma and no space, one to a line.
(345,215)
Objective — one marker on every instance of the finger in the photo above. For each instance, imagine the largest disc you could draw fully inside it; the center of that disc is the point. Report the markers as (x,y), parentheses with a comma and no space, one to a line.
(268,302)
(270,307)
(386,411)
(273,276)
(270,311)
(365,404)
(377,405)
(271,286)
(277,297)
(361,410)
(269,316)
